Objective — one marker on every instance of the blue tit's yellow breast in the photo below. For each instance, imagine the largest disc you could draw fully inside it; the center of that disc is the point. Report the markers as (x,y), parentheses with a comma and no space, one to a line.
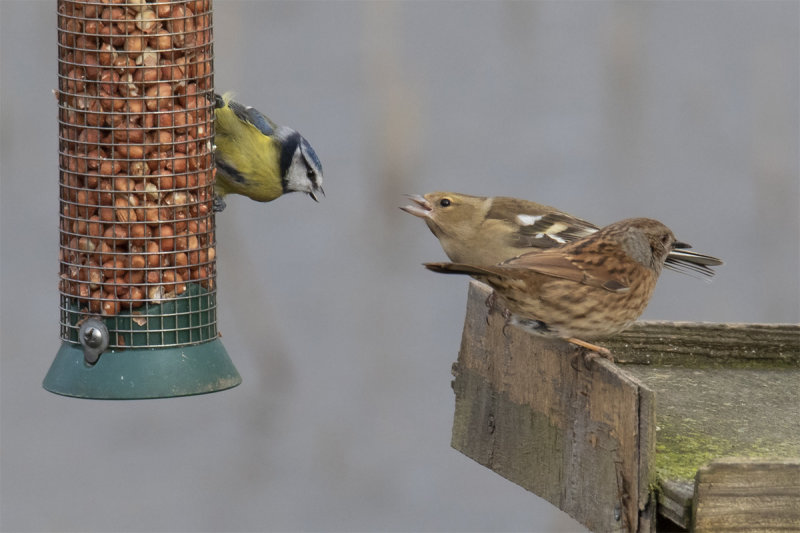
(248,162)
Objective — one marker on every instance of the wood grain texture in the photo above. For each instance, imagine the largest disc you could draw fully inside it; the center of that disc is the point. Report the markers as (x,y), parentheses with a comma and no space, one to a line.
(600,440)
(704,414)
(744,495)
(675,501)
(540,414)
(700,344)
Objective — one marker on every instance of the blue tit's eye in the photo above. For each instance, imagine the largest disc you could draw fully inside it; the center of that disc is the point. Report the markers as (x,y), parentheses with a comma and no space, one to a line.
(444,202)
(310,173)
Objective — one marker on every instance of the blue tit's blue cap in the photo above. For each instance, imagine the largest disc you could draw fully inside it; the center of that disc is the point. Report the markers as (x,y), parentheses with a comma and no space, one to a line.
(310,153)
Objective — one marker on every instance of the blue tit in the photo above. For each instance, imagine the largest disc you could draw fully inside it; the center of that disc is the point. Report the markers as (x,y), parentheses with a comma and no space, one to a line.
(259,159)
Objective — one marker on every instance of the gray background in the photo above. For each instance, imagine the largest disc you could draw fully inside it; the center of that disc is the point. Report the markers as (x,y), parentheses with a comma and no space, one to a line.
(685,112)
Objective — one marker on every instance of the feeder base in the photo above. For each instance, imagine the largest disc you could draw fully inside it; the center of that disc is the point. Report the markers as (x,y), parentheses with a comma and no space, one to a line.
(136,373)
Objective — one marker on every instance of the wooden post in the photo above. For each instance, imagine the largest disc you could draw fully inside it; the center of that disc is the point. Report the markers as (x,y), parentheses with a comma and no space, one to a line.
(614,444)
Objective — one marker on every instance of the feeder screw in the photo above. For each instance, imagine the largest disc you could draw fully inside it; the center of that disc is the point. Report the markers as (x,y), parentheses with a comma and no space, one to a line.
(94,338)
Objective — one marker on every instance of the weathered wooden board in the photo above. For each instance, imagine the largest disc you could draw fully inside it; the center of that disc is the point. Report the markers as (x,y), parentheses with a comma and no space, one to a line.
(564,427)
(707,413)
(722,390)
(675,501)
(586,436)
(744,495)
(703,344)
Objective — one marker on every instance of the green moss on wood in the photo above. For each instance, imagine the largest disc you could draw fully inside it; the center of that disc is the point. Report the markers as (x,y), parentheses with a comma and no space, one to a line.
(702,415)
(680,454)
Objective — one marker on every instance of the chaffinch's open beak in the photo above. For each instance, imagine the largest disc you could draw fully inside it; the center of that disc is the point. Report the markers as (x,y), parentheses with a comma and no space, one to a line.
(422,209)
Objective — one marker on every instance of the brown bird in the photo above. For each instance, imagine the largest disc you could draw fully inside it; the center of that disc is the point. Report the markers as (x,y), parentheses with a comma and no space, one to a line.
(587,289)
(488,230)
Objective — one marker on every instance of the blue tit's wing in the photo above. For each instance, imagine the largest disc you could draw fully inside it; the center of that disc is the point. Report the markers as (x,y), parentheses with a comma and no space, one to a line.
(254,117)
(248,114)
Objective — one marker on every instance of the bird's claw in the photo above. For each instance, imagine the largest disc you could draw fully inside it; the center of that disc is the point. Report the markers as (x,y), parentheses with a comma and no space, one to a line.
(593,350)
(490,301)
(219,204)
(507,315)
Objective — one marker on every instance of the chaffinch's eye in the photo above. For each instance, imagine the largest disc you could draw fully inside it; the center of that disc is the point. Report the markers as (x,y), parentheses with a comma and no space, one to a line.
(444,202)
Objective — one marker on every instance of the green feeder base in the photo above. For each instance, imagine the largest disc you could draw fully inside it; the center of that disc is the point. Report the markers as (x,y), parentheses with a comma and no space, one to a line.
(139,373)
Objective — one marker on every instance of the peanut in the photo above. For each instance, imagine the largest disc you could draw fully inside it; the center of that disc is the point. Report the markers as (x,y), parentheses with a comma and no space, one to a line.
(136,163)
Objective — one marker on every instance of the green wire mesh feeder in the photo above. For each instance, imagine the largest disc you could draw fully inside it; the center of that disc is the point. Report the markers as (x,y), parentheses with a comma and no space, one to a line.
(137,234)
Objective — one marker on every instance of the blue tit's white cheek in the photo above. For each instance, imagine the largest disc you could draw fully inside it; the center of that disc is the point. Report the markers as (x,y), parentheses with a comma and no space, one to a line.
(296,177)
(528,220)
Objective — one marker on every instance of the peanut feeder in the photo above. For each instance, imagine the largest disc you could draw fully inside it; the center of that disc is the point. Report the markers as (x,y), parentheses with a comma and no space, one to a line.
(137,236)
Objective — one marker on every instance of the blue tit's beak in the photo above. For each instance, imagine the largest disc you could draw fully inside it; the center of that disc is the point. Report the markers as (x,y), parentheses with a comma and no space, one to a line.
(313,195)
(422,209)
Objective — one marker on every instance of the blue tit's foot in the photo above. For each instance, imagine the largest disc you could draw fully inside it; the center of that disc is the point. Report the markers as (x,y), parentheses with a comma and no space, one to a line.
(219,204)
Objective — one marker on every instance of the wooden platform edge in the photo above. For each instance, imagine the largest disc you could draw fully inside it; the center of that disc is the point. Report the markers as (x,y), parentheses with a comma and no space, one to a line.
(742,494)
(576,431)
(580,432)
(675,501)
(702,344)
